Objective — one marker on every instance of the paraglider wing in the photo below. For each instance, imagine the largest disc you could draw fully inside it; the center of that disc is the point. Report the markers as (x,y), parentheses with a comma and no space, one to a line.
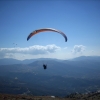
(46,29)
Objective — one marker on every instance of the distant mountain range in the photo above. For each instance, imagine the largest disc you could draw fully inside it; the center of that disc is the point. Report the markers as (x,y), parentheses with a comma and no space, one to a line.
(9,61)
(95,58)
(61,77)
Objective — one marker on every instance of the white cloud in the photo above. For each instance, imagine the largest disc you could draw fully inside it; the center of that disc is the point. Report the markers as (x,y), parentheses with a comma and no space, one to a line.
(78,49)
(48,51)
(92,51)
(33,50)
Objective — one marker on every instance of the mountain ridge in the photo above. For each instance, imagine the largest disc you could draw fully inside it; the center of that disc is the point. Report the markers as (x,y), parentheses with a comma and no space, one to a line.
(61,77)
(9,61)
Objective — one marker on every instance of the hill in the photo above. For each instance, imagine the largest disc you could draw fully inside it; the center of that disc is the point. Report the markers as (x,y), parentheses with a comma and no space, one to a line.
(75,96)
(61,78)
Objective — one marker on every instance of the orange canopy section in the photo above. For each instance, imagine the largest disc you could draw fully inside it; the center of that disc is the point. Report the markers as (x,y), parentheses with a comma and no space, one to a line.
(46,29)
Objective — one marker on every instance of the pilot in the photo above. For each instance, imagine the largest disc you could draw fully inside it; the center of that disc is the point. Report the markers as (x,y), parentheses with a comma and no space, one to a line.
(45,66)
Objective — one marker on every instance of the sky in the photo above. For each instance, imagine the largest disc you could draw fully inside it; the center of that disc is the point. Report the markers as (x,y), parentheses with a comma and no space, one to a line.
(78,19)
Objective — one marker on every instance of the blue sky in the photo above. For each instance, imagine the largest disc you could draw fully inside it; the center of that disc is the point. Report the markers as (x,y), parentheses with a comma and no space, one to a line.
(78,19)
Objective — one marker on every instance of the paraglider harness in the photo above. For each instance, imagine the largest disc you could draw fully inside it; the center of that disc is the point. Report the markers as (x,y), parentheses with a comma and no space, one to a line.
(45,66)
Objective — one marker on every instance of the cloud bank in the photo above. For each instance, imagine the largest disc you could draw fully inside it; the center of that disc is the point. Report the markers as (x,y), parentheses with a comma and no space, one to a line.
(48,51)
(78,49)
(33,50)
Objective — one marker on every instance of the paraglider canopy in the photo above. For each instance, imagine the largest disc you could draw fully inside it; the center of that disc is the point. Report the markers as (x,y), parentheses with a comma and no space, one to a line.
(46,29)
